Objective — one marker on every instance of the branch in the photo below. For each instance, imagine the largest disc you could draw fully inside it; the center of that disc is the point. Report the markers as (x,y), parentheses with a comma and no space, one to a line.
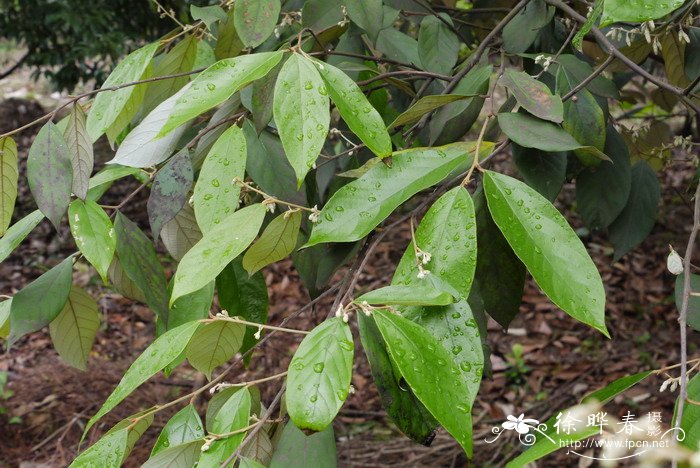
(14,67)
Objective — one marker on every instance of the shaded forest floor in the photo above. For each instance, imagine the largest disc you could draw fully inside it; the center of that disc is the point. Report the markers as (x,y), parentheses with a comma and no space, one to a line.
(45,404)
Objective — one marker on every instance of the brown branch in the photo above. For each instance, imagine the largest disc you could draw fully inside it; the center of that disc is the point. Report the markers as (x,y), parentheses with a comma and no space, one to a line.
(382,76)
(600,69)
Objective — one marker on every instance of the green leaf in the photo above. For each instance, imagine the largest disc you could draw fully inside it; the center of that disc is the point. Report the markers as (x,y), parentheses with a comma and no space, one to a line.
(427,365)
(181,233)
(255,20)
(302,114)
(357,112)
(447,233)
(38,303)
(178,456)
(214,344)
(134,431)
(638,217)
(233,416)
(159,354)
(93,233)
(5,307)
(541,237)
(693,318)
(455,327)
(417,294)
(321,14)
(577,70)
(203,262)
(690,422)
(399,401)
(186,426)
(109,104)
(424,105)
(102,181)
(545,172)
(80,149)
(179,59)
(142,147)
(244,296)
(17,232)
(73,330)
(263,94)
(109,451)
(533,95)
(602,192)
(636,11)
(215,193)
(122,283)
(8,181)
(613,389)
(398,46)
(170,191)
(319,375)
(297,450)
(438,46)
(208,14)
(228,44)
(521,32)
(50,173)
(130,110)
(217,83)
(258,451)
(194,306)
(276,242)
(591,20)
(367,14)
(249,462)
(139,261)
(500,275)
(358,207)
(531,132)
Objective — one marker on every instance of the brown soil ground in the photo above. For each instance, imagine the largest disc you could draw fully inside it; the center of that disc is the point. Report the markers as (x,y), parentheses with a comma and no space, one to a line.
(49,402)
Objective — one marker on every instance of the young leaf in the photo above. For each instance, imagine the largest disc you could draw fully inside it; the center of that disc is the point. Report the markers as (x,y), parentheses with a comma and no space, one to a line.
(549,247)
(108,451)
(302,114)
(215,193)
(93,233)
(431,373)
(181,233)
(109,104)
(159,354)
(186,426)
(80,149)
(319,375)
(184,455)
(362,118)
(8,181)
(534,96)
(245,296)
(297,450)
(139,260)
(424,105)
(447,234)
(399,401)
(233,416)
(255,20)
(17,232)
(545,172)
(170,190)
(358,207)
(438,46)
(40,301)
(276,242)
(73,331)
(50,173)
(217,83)
(616,11)
(500,275)
(203,262)
(142,147)
(531,132)
(602,192)
(214,344)
(417,294)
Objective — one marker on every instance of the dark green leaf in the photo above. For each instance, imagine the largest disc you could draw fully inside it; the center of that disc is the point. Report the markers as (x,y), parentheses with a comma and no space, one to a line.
(297,450)
(367,14)
(122,283)
(194,306)
(214,344)
(50,173)
(545,172)
(93,233)
(217,249)
(263,94)
(358,207)
(255,20)
(170,191)
(73,330)
(555,256)
(427,366)
(139,261)
(302,113)
(228,44)
(398,46)
(534,96)
(80,149)
(8,181)
(319,375)
(276,242)
(438,46)
(321,14)
(578,70)
(521,32)
(693,318)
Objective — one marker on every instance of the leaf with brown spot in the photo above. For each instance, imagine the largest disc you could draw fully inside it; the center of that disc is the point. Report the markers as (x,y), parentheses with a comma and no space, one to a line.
(255,20)
(534,95)
(170,189)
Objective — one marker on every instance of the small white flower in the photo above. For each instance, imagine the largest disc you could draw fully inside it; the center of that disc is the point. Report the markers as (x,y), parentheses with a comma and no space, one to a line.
(315,214)
(351,390)
(674,263)
(223,313)
(683,37)
(346,318)
(656,45)
(519,424)
(257,333)
(270,207)
(422,272)
(339,311)
(664,385)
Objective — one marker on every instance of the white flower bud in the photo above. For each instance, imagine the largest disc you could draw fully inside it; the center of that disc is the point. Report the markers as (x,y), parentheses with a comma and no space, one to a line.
(674,263)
